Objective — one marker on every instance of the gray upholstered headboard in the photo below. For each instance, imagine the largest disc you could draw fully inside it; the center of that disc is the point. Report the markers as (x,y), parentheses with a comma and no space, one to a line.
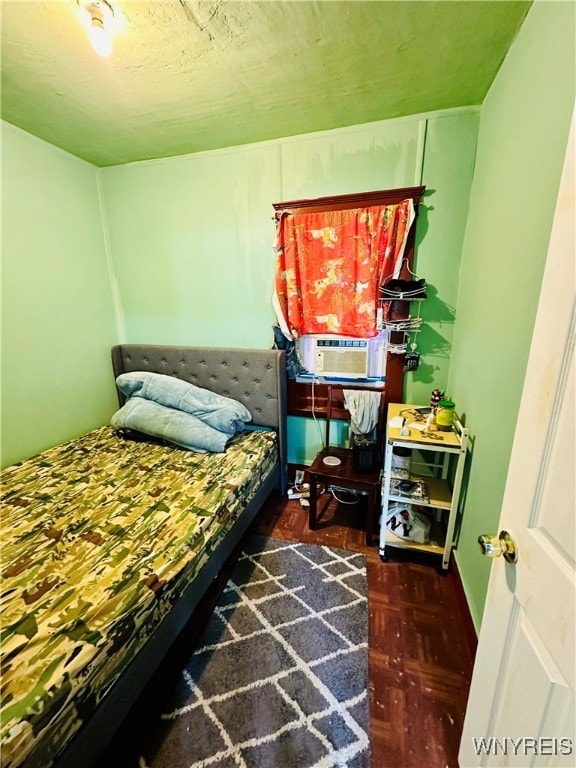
(255,377)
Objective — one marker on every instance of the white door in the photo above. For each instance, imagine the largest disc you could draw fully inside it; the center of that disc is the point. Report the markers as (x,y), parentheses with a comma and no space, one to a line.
(521,705)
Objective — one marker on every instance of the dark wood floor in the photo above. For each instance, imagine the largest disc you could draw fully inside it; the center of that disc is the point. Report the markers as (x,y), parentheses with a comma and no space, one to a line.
(421,641)
(421,646)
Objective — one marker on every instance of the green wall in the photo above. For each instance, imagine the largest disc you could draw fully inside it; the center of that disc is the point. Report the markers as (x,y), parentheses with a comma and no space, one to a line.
(524,127)
(58,320)
(191,237)
(447,172)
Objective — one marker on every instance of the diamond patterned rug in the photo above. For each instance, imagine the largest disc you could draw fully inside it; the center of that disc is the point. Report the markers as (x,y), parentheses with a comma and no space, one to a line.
(280,677)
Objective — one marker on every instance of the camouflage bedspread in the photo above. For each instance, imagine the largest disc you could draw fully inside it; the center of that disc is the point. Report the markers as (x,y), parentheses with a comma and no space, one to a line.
(100,536)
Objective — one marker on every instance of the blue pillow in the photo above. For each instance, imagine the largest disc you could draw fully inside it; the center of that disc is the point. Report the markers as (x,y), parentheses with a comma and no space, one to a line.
(222,413)
(169,424)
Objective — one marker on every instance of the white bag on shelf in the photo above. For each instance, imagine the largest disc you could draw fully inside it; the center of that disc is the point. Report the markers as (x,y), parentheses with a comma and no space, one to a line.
(408,523)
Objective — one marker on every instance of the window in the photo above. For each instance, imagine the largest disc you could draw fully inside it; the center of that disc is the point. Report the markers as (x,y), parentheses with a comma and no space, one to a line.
(321,286)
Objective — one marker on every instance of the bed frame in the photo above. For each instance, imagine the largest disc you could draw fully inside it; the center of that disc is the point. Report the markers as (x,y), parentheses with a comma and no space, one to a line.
(257,378)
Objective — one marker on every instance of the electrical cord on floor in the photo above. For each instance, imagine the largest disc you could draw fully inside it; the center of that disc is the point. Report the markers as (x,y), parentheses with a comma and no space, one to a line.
(315,418)
(304,488)
(334,488)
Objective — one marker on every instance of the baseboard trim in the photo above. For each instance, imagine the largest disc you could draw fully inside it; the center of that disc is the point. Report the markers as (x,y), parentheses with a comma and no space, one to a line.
(464,608)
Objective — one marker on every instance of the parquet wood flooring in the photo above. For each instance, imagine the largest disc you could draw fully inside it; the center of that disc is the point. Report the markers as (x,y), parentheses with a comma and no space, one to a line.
(421,641)
(421,647)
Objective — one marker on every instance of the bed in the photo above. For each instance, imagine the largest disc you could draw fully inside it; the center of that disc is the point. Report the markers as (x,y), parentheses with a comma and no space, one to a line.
(109,545)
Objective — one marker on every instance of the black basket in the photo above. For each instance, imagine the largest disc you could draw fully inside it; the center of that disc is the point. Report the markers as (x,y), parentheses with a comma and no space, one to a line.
(365,453)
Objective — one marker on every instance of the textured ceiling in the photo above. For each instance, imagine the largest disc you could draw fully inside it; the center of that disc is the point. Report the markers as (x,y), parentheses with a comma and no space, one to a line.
(191,75)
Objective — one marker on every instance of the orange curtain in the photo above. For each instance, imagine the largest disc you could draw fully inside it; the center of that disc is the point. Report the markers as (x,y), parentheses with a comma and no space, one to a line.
(330,266)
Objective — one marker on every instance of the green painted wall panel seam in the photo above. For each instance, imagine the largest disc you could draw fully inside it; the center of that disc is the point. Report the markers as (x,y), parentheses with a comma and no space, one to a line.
(114,287)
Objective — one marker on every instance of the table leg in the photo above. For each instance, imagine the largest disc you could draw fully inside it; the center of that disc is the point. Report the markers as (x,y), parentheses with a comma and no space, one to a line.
(370,514)
(312,500)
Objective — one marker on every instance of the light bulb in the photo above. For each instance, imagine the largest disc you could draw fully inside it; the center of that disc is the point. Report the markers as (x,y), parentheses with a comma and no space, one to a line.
(99,37)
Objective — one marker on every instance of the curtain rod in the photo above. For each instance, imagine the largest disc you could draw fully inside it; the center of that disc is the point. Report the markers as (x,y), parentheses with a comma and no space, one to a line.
(354,200)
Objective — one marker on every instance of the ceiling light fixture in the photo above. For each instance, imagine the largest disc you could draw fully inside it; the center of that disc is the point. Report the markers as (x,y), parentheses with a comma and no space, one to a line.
(101,16)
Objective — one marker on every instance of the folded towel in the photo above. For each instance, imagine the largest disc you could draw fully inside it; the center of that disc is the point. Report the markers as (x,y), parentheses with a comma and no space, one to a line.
(363,406)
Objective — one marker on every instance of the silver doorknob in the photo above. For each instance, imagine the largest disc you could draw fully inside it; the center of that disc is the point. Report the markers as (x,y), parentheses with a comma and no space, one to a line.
(502,544)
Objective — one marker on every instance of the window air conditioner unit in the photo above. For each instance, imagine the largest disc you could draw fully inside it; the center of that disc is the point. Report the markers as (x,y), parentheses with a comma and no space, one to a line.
(344,357)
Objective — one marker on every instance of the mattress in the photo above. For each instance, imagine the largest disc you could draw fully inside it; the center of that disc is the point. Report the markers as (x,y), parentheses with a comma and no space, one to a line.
(100,536)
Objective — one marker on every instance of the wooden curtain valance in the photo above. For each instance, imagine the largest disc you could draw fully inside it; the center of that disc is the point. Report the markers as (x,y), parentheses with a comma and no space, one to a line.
(356,200)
